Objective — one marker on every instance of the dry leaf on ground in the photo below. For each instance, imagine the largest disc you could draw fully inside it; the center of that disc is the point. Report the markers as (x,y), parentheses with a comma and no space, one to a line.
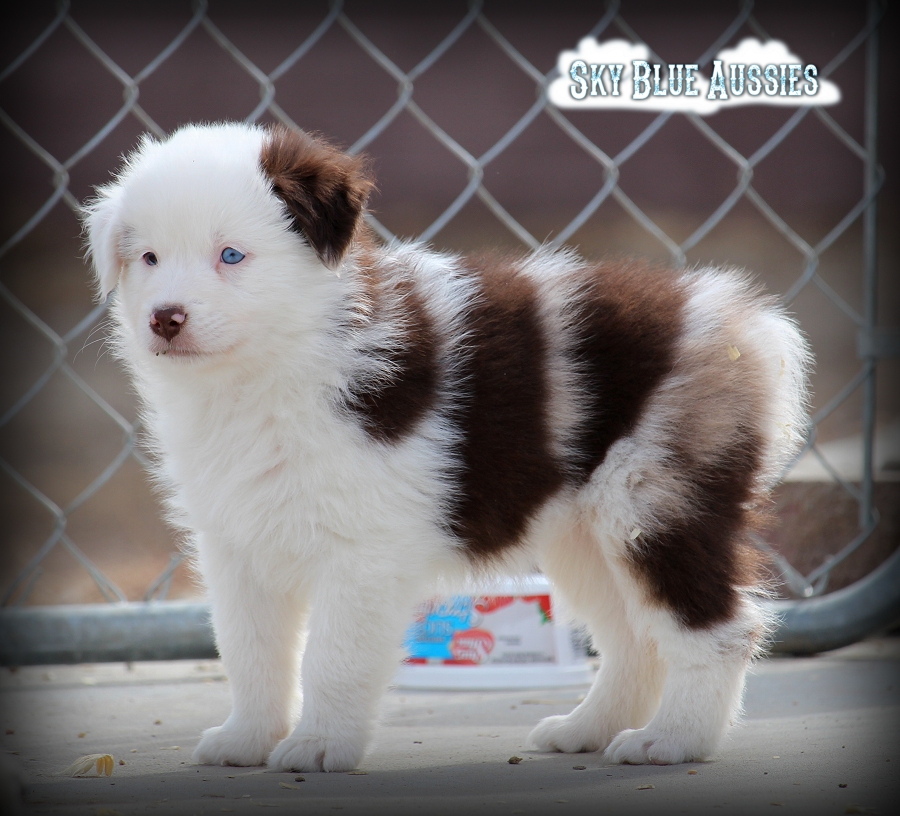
(91,765)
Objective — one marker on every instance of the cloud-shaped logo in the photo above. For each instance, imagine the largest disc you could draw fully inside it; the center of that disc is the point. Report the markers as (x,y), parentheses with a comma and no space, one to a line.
(617,74)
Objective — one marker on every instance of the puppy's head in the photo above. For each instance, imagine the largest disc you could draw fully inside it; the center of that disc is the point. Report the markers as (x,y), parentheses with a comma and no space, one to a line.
(221,233)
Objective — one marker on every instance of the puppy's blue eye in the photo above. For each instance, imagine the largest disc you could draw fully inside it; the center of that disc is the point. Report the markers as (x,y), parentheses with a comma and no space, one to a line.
(231,256)
(150,259)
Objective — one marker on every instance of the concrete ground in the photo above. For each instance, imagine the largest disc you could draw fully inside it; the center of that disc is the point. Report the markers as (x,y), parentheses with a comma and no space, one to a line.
(820,737)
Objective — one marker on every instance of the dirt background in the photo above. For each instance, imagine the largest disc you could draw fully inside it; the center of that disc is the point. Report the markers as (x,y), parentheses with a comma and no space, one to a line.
(61,441)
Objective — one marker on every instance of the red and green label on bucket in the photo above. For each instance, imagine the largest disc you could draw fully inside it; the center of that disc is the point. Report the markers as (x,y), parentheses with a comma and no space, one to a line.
(480,630)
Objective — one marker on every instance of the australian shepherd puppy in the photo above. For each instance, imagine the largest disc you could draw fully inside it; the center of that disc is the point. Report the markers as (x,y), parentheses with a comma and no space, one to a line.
(339,423)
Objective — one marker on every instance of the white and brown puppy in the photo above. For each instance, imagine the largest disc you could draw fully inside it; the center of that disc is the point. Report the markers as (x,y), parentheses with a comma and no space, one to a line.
(339,423)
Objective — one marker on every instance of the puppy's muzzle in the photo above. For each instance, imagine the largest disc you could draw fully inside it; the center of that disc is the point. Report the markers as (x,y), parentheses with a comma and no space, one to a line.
(167,322)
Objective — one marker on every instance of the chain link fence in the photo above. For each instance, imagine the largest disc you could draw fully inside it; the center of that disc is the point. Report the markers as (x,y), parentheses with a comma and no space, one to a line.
(55,341)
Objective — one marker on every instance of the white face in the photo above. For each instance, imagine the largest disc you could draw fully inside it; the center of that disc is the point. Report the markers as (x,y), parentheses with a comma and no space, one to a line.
(208,265)
(189,302)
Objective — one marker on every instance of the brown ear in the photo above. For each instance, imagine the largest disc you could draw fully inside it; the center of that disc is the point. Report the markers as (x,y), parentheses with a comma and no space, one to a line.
(324,189)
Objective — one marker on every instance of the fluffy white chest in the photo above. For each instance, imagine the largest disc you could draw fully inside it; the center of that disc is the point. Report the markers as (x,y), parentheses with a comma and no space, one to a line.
(288,471)
(249,469)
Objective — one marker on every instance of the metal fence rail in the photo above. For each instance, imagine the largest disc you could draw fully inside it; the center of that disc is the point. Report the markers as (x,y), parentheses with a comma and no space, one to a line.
(804,626)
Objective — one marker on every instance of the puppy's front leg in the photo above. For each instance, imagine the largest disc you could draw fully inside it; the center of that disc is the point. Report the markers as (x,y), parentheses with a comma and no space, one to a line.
(258,627)
(352,652)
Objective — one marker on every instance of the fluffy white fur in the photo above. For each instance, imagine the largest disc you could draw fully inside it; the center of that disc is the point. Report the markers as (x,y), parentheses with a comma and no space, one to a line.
(315,541)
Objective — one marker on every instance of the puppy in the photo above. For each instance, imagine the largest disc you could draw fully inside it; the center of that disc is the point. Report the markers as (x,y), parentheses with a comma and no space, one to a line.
(340,423)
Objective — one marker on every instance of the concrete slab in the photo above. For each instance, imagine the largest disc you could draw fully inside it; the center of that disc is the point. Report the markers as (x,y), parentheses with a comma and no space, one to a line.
(820,737)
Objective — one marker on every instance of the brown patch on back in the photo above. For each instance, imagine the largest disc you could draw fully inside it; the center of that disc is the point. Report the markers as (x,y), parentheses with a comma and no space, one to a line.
(696,566)
(324,189)
(627,322)
(390,409)
(507,467)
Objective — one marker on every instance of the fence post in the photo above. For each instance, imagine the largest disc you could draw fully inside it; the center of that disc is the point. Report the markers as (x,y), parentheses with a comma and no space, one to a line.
(870,268)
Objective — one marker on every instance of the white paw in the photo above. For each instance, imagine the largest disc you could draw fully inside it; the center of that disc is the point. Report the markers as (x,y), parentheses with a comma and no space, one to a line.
(644,747)
(228,745)
(314,752)
(567,734)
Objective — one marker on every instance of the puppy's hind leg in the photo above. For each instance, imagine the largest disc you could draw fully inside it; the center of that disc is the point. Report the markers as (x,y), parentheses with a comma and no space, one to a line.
(690,587)
(703,689)
(626,691)
(674,527)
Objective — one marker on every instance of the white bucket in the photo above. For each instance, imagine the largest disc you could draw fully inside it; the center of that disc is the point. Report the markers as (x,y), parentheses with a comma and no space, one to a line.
(503,637)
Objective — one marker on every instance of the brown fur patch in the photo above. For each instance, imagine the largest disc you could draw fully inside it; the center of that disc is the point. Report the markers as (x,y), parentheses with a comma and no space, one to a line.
(324,189)
(696,566)
(627,321)
(365,259)
(390,409)
(507,467)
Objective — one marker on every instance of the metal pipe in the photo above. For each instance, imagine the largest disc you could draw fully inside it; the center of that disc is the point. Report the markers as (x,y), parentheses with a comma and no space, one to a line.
(870,266)
(103,633)
(173,630)
(867,607)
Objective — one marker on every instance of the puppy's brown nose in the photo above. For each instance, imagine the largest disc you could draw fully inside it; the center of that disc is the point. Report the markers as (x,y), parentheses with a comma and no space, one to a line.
(167,322)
